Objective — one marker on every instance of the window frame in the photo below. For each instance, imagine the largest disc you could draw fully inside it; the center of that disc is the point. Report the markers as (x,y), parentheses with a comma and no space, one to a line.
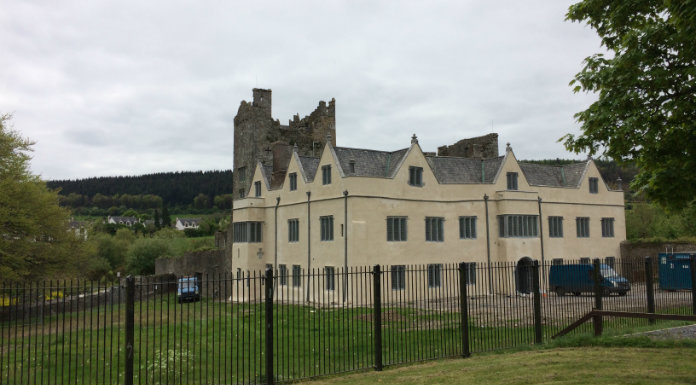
(555,227)
(518,226)
(607,227)
(293,230)
(293,181)
(330,278)
(415,176)
(513,181)
(257,188)
(582,227)
(594,185)
(398,277)
(326,226)
(247,232)
(296,276)
(434,229)
(326,174)
(467,227)
(397,229)
(283,274)
(434,275)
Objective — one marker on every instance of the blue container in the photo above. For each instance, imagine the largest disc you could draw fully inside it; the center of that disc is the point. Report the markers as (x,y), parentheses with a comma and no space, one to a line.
(675,271)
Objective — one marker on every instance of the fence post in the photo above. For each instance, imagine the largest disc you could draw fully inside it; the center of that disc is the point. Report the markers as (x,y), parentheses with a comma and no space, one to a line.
(693,282)
(377,316)
(464,308)
(537,303)
(269,326)
(130,328)
(598,292)
(649,287)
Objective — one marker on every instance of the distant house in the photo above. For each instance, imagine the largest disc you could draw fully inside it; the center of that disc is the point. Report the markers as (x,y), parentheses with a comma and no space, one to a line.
(187,223)
(79,228)
(128,221)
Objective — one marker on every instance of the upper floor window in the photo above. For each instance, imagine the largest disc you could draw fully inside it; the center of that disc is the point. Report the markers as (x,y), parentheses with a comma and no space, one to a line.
(512,181)
(467,227)
(594,185)
(556,227)
(247,231)
(293,230)
(607,227)
(242,174)
(242,193)
(293,181)
(522,226)
(326,174)
(396,229)
(415,176)
(257,188)
(583,227)
(327,231)
(435,229)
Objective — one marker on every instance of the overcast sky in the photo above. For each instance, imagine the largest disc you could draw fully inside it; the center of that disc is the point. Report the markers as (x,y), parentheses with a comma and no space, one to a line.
(134,87)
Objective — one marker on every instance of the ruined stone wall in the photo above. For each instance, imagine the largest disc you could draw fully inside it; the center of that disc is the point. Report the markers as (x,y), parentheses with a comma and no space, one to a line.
(210,262)
(255,131)
(479,147)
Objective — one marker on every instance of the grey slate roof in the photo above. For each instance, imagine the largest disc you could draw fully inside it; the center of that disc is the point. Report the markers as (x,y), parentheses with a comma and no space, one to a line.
(309,165)
(464,170)
(369,163)
(555,176)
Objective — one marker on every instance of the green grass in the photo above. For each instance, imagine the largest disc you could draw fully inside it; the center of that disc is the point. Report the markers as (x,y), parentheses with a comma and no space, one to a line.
(212,341)
(585,365)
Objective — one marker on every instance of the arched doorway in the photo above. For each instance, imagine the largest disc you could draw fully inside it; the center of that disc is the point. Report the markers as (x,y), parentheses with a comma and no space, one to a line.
(523,275)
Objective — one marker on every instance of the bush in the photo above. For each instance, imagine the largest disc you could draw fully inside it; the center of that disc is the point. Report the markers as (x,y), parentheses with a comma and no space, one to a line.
(142,255)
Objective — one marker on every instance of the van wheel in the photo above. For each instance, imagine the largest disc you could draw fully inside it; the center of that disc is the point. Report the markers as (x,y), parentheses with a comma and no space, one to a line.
(576,293)
(560,291)
(622,293)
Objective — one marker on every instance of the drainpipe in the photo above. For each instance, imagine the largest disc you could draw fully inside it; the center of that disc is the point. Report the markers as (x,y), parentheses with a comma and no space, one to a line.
(488,247)
(309,243)
(541,239)
(345,245)
(275,260)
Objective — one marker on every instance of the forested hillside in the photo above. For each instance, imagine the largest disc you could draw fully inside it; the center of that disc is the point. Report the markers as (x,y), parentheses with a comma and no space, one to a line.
(196,189)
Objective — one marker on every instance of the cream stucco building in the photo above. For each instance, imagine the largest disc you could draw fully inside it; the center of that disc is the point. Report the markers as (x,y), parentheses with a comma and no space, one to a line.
(356,207)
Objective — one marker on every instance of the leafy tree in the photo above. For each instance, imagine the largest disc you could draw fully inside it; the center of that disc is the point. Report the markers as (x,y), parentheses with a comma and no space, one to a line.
(158,225)
(142,255)
(166,218)
(646,87)
(34,237)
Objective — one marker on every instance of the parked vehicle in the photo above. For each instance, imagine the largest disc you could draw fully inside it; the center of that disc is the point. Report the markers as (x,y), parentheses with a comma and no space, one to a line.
(579,278)
(188,290)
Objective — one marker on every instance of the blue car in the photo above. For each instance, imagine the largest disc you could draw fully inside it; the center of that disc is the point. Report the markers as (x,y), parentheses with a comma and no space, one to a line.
(187,290)
(579,279)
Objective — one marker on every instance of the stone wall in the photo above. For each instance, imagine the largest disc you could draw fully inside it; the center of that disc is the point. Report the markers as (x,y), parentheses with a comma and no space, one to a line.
(255,131)
(645,249)
(479,147)
(204,262)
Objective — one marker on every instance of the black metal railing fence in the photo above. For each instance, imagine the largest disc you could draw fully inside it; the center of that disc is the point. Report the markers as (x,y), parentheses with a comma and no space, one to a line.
(278,326)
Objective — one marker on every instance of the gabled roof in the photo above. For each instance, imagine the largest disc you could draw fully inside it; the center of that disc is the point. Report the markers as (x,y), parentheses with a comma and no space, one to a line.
(569,175)
(369,163)
(464,170)
(309,166)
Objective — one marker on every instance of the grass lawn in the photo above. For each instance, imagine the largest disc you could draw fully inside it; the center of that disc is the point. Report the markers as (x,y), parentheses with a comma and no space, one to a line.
(584,365)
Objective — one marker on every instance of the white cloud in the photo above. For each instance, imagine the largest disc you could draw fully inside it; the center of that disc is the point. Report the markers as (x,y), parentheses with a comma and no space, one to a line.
(134,87)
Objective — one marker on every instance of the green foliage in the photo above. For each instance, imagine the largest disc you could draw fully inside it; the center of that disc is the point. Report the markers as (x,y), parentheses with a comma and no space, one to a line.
(34,238)
(646,92)
(648,221)
(142,255)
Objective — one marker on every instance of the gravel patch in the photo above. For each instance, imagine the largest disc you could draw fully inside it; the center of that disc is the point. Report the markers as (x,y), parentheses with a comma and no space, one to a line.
(678,333)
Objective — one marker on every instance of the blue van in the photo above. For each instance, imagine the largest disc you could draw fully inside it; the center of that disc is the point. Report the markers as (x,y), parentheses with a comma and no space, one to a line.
(187,290)
(578,279)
